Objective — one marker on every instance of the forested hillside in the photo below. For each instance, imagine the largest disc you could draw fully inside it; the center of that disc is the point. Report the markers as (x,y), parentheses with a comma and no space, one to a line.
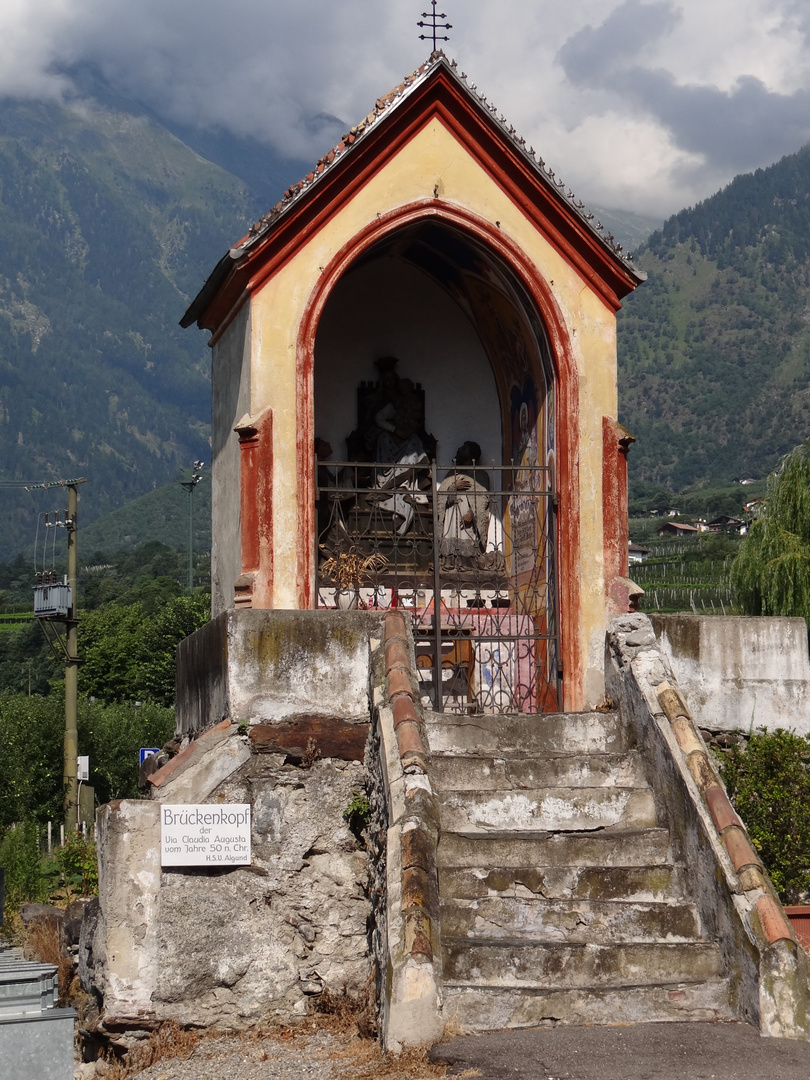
(714,349)
(108,225)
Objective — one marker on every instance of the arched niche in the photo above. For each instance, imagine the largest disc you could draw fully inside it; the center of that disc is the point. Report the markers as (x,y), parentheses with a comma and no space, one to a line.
(462,326)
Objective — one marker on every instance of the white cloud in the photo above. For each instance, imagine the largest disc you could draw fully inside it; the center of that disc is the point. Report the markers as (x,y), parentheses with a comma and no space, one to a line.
(649,103)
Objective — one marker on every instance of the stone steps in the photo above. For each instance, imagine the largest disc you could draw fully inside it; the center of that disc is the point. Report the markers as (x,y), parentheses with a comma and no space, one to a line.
(633,848)
(547,810)
(570,921)
(643,884)
(552,733)
(473,1008)
(554,966)
(485,773)
(559,898)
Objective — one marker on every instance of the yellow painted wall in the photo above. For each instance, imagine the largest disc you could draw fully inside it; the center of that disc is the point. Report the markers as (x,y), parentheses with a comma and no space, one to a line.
(434,157)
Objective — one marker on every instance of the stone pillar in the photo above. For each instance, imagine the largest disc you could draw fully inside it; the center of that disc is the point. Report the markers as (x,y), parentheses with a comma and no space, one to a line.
(253,588)
(621,594)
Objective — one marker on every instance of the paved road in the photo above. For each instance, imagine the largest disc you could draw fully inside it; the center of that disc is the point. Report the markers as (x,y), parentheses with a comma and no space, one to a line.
(635,1052)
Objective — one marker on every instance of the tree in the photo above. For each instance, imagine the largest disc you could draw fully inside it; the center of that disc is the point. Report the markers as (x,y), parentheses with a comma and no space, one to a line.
(31,742)
(129,655)
(771,574)
(769,784)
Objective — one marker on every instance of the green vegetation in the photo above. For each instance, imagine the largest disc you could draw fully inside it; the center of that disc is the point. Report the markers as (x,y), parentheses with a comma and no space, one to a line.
(702,500)
(34,875)
(108,226)
(771,574)
(357,814)
(31,738)
(130,649)
(133,614)
(128,655)
(21,859)
(769,785)
(714,349)
(77,865)
(688,574)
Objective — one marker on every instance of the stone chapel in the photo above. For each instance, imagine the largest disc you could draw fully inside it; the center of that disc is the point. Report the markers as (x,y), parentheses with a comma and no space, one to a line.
(429,287)
(471,793)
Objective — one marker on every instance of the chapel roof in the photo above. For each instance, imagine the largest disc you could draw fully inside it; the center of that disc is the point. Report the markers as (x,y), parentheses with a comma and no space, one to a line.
(356,135)
(382,107)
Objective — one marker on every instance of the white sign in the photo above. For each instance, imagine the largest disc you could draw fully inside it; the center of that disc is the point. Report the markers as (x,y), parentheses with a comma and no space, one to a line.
(205,834)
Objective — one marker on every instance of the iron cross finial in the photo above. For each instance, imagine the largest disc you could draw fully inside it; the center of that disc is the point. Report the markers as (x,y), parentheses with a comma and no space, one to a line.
(433,26)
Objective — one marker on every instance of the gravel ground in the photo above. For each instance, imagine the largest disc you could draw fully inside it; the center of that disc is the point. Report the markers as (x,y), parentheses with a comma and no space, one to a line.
(314,1054)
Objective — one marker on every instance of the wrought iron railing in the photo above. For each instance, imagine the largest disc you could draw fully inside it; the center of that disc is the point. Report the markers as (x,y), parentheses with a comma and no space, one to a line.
(480,540)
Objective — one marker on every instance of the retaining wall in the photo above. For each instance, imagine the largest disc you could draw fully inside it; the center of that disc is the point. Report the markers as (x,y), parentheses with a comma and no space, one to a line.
(740,673)
(736,900)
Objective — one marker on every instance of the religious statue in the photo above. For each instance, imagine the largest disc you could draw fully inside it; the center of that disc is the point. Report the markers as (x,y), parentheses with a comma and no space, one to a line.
(392,424)
(391,432)
(464,511)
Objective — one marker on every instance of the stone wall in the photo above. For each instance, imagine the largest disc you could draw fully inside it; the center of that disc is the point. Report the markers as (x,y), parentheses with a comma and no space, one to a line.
(740,673)
(227,947)
(223,947)
(737,903)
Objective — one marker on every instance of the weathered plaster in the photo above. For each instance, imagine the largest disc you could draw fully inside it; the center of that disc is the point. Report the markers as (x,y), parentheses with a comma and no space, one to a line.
(434,156)
(740,673)
(230,401)
(255,664)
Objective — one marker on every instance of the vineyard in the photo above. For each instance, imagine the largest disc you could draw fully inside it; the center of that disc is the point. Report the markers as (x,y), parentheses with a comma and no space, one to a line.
(687,574)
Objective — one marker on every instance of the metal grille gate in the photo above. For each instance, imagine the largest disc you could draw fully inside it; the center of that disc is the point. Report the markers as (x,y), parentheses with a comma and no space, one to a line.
(479,540)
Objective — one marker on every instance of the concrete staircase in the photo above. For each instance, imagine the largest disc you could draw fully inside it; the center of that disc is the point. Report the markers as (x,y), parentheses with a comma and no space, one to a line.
(559,899)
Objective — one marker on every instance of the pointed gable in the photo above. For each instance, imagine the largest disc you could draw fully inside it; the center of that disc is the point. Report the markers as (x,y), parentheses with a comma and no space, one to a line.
(436,90)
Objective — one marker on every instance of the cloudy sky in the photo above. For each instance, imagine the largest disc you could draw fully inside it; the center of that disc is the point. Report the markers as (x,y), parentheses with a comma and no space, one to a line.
(646,105)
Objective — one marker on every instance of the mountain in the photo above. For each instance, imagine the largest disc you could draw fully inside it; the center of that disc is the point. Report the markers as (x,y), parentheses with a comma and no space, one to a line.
(714,348)
(108,225)
(264,172)
(161,515)
(630,229)
(110,218)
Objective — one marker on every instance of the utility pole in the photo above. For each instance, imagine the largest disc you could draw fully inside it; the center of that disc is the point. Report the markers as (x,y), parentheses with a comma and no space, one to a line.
(189,485)
(54,603)
(71,670)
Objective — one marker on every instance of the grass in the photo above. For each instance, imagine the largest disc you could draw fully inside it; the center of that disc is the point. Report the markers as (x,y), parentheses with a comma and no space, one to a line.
(43,940)
(169,1041)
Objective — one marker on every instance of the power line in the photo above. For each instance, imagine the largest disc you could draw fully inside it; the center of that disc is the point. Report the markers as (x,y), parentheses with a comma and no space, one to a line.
(41,485)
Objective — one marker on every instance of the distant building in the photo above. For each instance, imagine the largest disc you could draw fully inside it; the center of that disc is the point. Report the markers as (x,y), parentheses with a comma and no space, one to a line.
(636,553)
(672,528)
(726,524)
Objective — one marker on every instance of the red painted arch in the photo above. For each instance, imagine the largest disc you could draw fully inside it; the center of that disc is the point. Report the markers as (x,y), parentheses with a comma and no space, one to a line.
(567,408)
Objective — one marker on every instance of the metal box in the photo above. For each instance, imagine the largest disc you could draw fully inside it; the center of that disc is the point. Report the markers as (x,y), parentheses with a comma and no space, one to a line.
(52,599)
